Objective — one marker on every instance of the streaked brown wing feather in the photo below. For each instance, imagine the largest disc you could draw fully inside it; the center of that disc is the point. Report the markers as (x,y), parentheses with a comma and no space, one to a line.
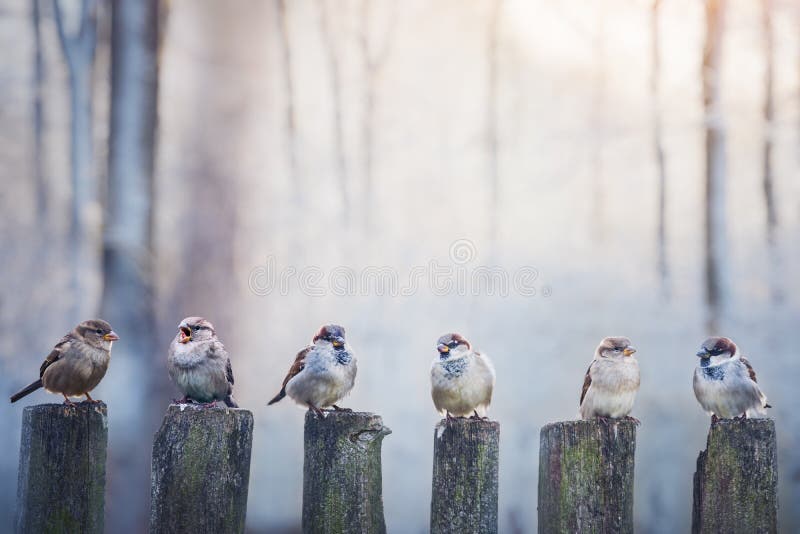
(587,381)
(55,354)
(297,366)
(750,370)
(229,371)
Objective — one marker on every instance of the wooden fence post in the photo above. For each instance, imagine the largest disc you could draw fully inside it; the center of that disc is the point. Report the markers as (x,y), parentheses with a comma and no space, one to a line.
(465,464)
(736,482)
(62,468)
(201,470)
(586,476)
(342,486)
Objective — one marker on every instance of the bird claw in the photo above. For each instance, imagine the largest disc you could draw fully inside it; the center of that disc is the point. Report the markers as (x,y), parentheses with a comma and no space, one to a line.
(184,400)
(319,413)
(631,418)
(339,409)
(208,405)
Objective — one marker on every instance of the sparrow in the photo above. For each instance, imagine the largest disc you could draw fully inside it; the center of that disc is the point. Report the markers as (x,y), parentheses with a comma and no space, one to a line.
(611,381)
(77,363)
(199,364)
(725,382)
(462,380)
(322,373)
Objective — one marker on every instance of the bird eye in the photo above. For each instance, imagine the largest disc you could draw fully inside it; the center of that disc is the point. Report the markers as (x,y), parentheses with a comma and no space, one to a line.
(99,331)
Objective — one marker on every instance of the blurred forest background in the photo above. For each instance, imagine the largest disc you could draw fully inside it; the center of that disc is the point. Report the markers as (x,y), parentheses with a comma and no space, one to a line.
(643,156)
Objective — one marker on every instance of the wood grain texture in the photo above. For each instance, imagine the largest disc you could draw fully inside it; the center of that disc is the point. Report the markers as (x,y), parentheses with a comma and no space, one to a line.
(62,469)
(342,480)
(201,471)
(736,482)
(466,455)
(586,476)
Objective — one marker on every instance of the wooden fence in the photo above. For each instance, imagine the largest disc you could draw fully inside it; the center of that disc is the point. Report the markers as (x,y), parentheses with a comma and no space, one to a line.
(201,470)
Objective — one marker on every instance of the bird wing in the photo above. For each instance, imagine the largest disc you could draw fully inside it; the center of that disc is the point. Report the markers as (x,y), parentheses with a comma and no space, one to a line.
(229,371)
(298,365)
(55,354)
(750,370)
(752,373)
(587,381)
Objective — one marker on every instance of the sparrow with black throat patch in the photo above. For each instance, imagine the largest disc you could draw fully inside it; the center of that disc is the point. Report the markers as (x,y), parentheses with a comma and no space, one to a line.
(323,373)
(77,363)
(725,382)
(462,380)
(611,381)
(199,364)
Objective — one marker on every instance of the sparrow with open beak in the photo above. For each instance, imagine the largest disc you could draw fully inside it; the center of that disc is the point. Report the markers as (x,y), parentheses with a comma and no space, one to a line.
(462,380)
(611,382)
(323,373)
(77,363)
(725,382)
(199,364)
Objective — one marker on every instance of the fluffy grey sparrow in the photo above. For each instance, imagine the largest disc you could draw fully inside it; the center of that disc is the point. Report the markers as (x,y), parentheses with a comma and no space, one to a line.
(725,382)
(323,373)
(77,363)
(462,380)
(199,364)
(611,381)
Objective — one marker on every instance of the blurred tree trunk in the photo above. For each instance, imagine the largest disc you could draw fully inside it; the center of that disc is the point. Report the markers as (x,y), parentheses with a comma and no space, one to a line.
(658,148)
(332,50)
(291,119)
(127,301)
(492,120)
(373,60)
(38,112)
(767,149)
(598,126)
(715,246)
(77,32)
(769,117)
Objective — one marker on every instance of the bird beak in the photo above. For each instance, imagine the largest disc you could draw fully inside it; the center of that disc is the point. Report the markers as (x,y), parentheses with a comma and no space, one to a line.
(338,342)
(186,334)
(111,336)
(443,349)
(628,351)
(703,353)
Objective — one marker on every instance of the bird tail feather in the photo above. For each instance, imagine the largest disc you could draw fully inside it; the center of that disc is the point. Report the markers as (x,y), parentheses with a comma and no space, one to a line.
(230,402)
(278,397)
(27,390)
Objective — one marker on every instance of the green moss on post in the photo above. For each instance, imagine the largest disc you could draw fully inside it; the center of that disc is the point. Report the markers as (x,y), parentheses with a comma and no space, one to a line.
(466,456)
(342,485)
(201,470)
(586,476)
(736,482)
(62,469)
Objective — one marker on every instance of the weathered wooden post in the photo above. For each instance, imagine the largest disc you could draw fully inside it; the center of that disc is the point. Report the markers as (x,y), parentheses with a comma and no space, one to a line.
(586,476)
(62,468)
(465,463)
(736,482)
(342,486)
(201,470)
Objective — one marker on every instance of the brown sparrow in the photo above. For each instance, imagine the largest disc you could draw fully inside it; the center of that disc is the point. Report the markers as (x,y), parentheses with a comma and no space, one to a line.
(77,363)
(323,373)
(725,382)
(611,381)
(199,364)
(462,380)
